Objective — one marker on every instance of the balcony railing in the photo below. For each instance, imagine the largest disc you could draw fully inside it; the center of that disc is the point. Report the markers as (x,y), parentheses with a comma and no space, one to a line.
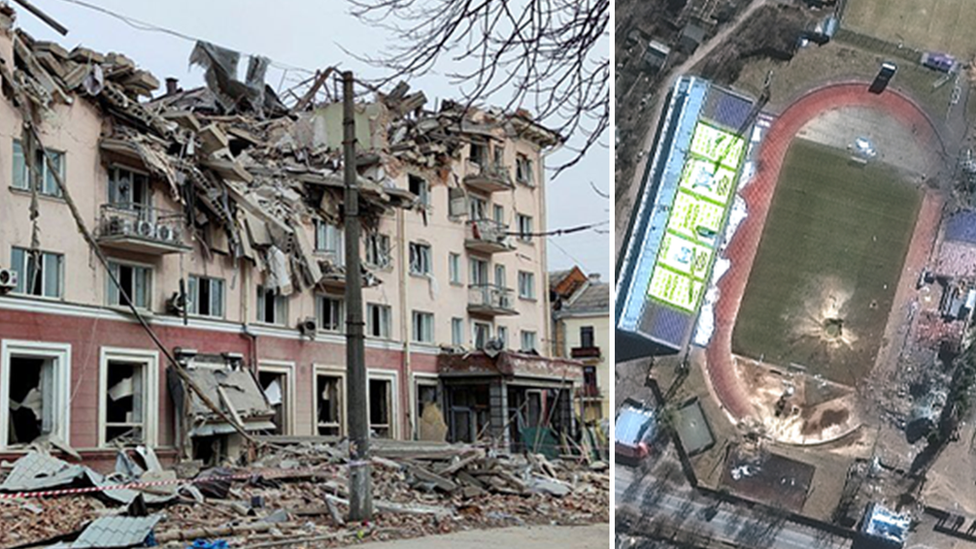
(489,299)
(488,176)
(138,228)
(585,352)
(487,236)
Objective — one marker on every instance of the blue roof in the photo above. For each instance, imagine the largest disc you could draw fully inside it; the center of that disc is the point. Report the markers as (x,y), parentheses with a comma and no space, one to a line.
(961,227)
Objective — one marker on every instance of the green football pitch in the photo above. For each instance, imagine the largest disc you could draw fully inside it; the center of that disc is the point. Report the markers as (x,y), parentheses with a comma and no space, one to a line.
(830,256)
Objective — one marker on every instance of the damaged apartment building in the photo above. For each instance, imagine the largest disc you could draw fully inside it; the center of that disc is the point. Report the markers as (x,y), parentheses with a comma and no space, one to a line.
(217,214)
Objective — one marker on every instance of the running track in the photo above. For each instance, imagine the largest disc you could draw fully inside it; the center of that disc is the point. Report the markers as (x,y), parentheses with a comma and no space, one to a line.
(729,389)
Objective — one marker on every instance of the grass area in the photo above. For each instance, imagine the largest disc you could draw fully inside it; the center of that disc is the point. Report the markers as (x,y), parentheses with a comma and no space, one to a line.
(831,253)
(815,66)
(941,25)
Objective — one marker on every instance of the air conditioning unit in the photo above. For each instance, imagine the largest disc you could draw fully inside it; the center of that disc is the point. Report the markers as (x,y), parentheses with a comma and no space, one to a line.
(146,229)
(308,327)
(168,234)
(118,226)
(176,304)
(8,280)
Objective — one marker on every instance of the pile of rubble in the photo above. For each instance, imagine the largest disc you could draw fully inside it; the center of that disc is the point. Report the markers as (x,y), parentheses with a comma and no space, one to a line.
(292,495)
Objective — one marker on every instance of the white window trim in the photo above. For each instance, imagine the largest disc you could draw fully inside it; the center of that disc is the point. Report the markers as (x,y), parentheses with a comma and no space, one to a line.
(474,332)
(415,327)
(421,245)
(389,317)
(288,370)
(112,169)
(330,370)
(62,383)
(223,300)
(152,284)
(319,305)
(417,379)
(394,378)
(458,279)
(151,406)
(279,322)
(61,278)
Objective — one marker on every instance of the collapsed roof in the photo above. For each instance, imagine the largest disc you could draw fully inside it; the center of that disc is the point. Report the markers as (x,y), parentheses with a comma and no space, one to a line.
(248,171)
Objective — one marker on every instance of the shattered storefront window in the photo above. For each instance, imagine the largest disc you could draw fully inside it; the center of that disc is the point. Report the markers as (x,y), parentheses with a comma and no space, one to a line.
(125,402)
(31,410)
(329,390)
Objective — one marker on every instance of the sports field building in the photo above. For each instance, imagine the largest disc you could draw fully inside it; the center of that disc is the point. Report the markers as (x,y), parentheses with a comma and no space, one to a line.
(686,195)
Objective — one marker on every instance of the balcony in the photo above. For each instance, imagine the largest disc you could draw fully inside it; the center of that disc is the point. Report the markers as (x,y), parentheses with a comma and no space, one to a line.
(141,229)
(585,352)
(488,177)
(487,236)
(490,300)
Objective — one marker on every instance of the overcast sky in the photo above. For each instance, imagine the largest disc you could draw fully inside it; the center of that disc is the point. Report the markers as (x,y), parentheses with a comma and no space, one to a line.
(308,34)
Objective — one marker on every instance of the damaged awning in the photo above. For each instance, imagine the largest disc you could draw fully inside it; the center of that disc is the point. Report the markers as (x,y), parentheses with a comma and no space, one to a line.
(237,393)
(509,364)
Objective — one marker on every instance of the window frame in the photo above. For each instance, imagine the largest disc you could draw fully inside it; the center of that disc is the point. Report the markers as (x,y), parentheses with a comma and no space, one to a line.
(524,170)
(454,269)
(25,174)
(327,234)
(475,324)
(280,307)
(421,322)
(421,252)
(381,258)
(522,340)
(386,320)
(392,377)
(113,171)
(150,273)
(61,354)
(526,227)
(526,285)
(320,300)
(323,370)
(457,331)
(150,366)
(286,369)
(22,272)
(193,306)
(423,196)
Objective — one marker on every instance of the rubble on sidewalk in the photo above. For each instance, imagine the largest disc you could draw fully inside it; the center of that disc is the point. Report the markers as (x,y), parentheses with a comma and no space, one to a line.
(299,492)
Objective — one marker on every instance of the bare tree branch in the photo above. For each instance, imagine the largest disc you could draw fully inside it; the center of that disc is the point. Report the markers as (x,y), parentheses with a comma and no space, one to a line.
(550,56)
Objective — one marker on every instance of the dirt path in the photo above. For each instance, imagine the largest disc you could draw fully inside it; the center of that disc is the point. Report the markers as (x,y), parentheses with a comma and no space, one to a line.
(625,202)
(532,537)
(732,392)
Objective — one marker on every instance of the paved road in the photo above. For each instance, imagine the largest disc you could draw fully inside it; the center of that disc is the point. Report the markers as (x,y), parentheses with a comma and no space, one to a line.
(596,536)
(682,507)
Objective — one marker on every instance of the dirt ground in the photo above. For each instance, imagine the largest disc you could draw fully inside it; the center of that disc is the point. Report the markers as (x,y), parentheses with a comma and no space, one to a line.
(532,537)
(942,25)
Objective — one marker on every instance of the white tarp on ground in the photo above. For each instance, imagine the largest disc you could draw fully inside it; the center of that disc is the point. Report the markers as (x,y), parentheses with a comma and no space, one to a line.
(706,318)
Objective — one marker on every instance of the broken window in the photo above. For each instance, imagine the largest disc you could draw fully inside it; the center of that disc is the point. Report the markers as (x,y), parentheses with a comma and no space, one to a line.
(477,208)
(469,412)
(454,268)
(426,394)
(125,414)
(47,185)
(135,281)
(423,327)
(378,320)
(330,313)
(128,189)
(503,336)
(38,273)
(328,240)
(329,404)
(420,187)
(528,341)
(377,249)
(457,331)
(526,281)
(275,386)
(533,408)
(272,306)
(31,398)
(478,153)
(206,296)
(482,333)
(524,171)
(380,407)
(586,337)
(525,228)
(420,258)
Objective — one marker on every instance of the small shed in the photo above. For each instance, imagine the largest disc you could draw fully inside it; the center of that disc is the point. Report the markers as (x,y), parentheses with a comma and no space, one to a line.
(656,55)
(691,37)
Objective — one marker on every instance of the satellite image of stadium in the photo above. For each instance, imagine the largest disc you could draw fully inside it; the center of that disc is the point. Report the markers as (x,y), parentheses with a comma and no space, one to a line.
(687,191)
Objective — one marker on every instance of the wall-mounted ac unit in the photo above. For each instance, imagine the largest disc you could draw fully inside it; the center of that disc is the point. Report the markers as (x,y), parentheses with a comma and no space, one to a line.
(168,234)
(308,327)
(118,226)
(8,280)
(146,229)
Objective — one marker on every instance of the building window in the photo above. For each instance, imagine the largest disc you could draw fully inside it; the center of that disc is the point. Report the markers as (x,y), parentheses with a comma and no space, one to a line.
(477,208)
(328,240)
(128,400)
(381,407)
(586,337)
(528,342)
(377,250)
(526,286)
(276,385)
(128,189)
(503,336)
(478,153)
(589,380)
(330,313)
(206,296)
(501,278)
(38,273)
(454,268)
(272,306)
(525,228)
(457,332)
(498,213)
(47,184)
(420,187)
(378,320)
(479,272)
(34,391)
(328,404)
(420,258)
(427,395)
(134,280)
(423,327)
(482,333)
(524,173)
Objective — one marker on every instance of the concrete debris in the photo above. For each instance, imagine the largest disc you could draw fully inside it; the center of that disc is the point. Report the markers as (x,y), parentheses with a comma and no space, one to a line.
(299,490)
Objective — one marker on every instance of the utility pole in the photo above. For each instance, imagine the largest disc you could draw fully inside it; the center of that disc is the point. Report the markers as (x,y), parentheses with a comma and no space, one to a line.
(360,490)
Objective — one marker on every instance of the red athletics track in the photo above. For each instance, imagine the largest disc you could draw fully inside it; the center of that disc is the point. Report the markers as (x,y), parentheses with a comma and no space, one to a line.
(758,195)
